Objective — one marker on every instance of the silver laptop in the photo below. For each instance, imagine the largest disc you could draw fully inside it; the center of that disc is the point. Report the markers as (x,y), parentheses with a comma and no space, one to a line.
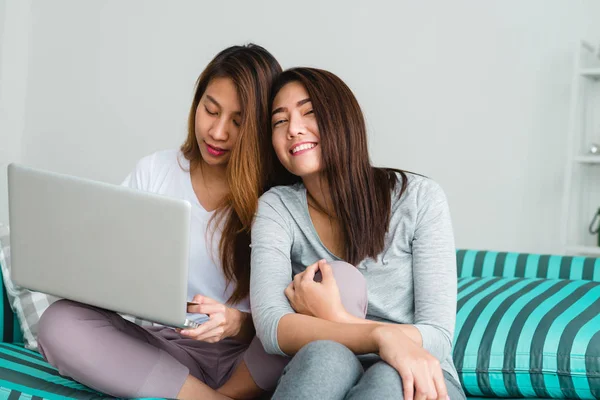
(96,243)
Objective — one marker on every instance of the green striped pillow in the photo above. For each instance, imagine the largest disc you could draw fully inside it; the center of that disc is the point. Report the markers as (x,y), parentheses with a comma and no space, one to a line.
(492,263)
(528,337)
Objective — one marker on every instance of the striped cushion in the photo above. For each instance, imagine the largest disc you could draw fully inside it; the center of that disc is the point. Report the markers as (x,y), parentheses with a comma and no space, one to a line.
(26,371)
(24,374)
(528,337)
(492,263)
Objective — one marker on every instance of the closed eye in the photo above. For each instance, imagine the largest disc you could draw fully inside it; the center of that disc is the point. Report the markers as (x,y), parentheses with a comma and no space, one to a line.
(281,121)
(210,113)
(310,112)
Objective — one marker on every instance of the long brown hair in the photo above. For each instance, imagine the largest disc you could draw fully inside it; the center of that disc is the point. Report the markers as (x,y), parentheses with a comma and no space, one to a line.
(252,70)
(361,193)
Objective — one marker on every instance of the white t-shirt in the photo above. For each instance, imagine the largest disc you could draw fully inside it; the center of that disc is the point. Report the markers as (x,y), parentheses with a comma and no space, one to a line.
(167,173)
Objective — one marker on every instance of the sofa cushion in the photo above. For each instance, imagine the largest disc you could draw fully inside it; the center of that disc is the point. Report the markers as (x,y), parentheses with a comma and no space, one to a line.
(523,265)
(24,372)
(528,337)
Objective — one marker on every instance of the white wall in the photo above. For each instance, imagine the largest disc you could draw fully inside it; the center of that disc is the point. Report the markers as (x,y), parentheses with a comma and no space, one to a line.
(15,26)
(473,94)
(2,13)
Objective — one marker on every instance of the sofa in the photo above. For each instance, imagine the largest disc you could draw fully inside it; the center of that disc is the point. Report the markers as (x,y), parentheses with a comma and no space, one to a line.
(528,325)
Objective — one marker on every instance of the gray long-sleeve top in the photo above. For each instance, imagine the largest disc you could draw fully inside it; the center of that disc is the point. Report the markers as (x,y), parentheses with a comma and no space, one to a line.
(413,281)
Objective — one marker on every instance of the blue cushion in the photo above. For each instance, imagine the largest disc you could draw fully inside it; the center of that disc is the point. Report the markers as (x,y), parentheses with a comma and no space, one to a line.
(26,371)
(25,374)
(528,337)
(523,265)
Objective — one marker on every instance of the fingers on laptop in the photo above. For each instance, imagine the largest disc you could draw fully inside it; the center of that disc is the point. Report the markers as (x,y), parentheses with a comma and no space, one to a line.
(205,305)
(208,309)
(199,299)
(211,331)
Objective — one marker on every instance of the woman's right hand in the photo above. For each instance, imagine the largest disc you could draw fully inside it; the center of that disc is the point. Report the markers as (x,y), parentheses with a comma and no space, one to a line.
(223,321)
(422,376)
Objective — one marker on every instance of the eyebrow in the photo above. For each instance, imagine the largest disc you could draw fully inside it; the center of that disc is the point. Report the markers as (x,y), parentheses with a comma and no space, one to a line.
(284,109)
(212,100)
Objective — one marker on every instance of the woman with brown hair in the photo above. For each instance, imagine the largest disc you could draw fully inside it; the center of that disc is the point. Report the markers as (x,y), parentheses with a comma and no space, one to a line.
(391,226)
(220,170)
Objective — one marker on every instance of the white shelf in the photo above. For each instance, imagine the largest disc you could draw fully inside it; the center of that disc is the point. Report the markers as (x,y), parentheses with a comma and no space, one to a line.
(584,250)
(593,73)
(580,191)
(588,159)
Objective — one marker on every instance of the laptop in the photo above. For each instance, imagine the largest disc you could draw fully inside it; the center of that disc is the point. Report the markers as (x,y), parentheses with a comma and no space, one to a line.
(101,244)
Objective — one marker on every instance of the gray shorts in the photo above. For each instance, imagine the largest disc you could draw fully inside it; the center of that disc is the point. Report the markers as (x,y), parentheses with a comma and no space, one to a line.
(102,350)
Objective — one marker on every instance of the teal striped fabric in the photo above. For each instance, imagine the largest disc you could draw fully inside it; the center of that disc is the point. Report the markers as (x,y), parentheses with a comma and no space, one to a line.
(25,375)
(522,265)
(528,337)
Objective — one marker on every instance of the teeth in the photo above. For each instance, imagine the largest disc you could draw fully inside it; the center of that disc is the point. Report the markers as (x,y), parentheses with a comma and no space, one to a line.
(303,147)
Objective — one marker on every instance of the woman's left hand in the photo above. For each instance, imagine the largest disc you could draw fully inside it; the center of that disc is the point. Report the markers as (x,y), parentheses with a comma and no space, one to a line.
(223,321)
(317,299)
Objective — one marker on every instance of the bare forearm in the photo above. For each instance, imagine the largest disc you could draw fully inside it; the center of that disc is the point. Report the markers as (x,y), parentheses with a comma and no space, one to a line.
(247,331)
(296,330)
(409,330)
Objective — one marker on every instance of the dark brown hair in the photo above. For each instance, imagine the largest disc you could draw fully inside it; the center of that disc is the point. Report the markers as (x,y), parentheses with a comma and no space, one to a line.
(361,193)
(252,70)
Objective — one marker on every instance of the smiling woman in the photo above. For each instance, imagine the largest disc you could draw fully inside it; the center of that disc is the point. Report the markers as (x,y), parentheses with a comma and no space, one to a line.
(393,226)
(295,131)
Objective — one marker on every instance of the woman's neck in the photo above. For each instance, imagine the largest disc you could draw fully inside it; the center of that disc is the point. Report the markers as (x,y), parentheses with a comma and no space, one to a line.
(319,193)
(212,175)
(323,215)
(210,184)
